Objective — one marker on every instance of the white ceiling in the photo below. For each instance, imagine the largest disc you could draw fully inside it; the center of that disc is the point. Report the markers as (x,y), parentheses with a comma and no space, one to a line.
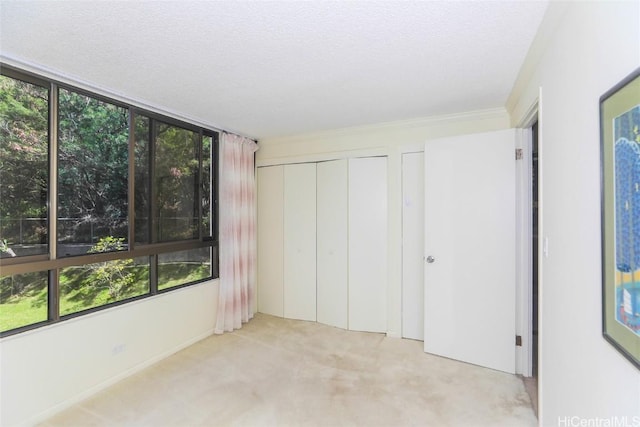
(276,68)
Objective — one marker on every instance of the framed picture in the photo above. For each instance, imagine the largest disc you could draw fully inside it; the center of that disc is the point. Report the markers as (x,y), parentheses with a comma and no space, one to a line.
(620,195)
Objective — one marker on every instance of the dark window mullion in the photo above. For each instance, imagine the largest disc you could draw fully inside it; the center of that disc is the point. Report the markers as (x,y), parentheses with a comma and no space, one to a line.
(53,172)
(213,187)
(53,291)
(53,297)
(153,274)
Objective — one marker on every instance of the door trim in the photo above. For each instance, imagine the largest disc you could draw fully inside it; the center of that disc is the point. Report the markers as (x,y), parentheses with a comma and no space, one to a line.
(524,238)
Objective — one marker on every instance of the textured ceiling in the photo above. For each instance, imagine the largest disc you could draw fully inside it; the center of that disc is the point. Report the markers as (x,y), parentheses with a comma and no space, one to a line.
(268,69)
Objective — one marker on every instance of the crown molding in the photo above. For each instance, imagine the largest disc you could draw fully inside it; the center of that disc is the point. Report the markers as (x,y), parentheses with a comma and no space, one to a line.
(421,122)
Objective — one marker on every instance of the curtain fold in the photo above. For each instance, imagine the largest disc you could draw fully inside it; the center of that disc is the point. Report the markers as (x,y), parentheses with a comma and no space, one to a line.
(237,222)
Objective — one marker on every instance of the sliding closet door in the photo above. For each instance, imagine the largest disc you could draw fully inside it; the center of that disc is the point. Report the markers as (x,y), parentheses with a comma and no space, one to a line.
(368,244)
(300,241)
(270,240)
(332,265)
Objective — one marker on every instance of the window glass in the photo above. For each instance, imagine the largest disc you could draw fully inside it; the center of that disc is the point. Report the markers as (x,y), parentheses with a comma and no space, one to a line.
(172,199)
(24,176)
(178,268)
(23,299)
(176,183)
(142,186)
(92,285)
(205,193)
(92,172)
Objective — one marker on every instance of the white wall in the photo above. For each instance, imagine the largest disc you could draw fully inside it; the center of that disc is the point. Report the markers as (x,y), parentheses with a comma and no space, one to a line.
(48,369)
(586,48)
(389,139)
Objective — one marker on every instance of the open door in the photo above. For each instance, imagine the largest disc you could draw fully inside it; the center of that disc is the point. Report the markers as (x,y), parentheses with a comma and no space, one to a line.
(470,278)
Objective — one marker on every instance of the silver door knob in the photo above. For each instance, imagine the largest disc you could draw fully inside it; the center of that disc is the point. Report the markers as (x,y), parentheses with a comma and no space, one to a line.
(430,259)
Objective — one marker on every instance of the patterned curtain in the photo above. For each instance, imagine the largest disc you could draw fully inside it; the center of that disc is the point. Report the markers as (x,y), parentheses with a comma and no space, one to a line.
(237,233)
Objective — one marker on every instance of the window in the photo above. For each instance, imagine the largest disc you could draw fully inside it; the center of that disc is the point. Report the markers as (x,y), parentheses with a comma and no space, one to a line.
(86,286)
(23,299)
(142,196)
(178,268)
(129,196)
(208,143)
(93,141)
(176,183)
(24,168)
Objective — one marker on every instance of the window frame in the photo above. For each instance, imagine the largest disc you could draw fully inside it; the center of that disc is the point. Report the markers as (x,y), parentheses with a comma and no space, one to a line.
(50,261)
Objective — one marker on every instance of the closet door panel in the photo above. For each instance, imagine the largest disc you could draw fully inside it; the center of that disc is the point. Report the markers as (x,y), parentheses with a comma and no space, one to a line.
(300,241)
(270,240)
(413,246)
(332,257)
(368,244)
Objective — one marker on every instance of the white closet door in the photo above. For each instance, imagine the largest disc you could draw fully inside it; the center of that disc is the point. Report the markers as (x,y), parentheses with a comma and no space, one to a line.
(413,246)
(270,240)
(300,241)
(368,244)
(332,265)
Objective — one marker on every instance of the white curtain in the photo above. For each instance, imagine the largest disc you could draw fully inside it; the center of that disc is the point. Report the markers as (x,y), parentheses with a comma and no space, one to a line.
(237,223)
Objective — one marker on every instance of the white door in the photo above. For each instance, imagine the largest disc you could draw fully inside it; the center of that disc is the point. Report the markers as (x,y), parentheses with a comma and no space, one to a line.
(368,244)
(413,246)
(300,241)
(270,240)
(470,235)
(333,258)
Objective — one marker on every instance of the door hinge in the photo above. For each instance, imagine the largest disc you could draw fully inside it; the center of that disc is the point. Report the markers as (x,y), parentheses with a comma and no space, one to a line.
(518,153)
(518,341)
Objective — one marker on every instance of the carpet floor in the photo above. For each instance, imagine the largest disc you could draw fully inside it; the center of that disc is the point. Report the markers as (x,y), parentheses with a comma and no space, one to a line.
(279,372)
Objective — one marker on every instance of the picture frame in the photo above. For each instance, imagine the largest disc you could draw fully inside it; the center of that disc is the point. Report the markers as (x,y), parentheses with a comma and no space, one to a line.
(620,215)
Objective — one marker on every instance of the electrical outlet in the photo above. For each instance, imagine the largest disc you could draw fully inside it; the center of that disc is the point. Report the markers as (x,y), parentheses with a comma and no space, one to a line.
(117,349)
